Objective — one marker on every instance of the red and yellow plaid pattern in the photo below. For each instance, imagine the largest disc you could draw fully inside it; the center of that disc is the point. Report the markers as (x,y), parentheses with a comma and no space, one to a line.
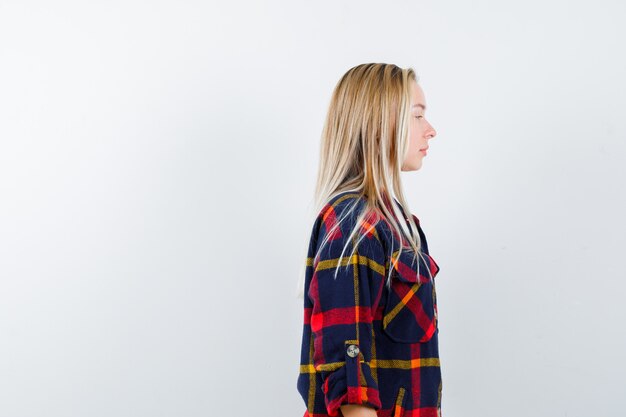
(366,342)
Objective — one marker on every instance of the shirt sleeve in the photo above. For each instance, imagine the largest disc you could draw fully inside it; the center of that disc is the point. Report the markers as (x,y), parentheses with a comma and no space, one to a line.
(342,315)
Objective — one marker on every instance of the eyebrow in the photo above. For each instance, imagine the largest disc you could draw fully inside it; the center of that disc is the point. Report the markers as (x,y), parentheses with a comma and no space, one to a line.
(419,105)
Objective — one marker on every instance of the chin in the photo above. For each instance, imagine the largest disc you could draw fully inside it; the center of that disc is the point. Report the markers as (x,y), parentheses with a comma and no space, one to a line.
(414,166)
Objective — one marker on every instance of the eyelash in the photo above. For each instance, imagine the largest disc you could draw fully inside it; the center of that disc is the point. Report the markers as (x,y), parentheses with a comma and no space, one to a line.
(417,117)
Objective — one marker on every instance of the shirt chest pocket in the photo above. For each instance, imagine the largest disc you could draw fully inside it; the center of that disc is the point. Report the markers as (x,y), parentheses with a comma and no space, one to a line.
(410,313)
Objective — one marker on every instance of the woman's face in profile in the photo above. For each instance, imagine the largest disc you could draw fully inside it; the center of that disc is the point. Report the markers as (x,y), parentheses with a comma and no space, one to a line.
(420,131)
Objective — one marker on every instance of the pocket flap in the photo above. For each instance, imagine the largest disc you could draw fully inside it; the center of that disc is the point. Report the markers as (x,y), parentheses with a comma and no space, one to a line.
(410,315)
(405,266)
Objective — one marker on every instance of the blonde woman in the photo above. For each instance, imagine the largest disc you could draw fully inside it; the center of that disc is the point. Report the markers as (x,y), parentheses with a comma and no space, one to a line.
(370,330)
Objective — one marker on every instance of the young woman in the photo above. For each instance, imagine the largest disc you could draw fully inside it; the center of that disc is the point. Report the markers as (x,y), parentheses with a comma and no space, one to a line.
(370,331)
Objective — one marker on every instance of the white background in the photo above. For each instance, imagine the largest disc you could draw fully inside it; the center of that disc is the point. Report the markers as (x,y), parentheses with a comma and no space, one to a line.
(157,163)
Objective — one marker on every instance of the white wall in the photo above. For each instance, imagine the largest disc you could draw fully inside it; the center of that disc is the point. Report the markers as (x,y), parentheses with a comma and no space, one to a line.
(157,162)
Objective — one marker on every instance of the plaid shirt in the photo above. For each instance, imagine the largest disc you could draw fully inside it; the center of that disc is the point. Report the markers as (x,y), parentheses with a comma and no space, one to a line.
(364,342)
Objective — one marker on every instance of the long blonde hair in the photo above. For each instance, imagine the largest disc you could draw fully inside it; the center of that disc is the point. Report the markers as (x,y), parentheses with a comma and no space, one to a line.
(363,144)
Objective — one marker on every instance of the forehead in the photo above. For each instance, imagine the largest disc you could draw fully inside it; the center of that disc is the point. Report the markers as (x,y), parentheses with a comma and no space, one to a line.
(417,95)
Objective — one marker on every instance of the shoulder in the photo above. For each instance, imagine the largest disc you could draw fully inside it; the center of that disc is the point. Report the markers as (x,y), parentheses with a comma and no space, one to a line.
(340,205)
(339,218)
(343,214)
(345,200)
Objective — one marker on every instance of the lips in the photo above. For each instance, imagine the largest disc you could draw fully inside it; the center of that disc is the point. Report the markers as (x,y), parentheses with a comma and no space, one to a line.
(423,149)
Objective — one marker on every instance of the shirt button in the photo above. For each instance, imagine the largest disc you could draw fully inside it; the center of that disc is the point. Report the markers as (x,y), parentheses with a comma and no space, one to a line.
(353,351)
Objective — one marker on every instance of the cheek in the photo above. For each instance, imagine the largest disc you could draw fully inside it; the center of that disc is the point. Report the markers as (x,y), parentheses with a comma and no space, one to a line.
(414,139)
(412,136)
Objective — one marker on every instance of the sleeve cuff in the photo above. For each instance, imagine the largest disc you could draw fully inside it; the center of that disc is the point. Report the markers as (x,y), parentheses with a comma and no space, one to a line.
(352,383)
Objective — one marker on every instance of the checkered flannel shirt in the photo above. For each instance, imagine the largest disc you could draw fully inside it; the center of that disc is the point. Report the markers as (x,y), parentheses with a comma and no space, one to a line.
(364,342)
